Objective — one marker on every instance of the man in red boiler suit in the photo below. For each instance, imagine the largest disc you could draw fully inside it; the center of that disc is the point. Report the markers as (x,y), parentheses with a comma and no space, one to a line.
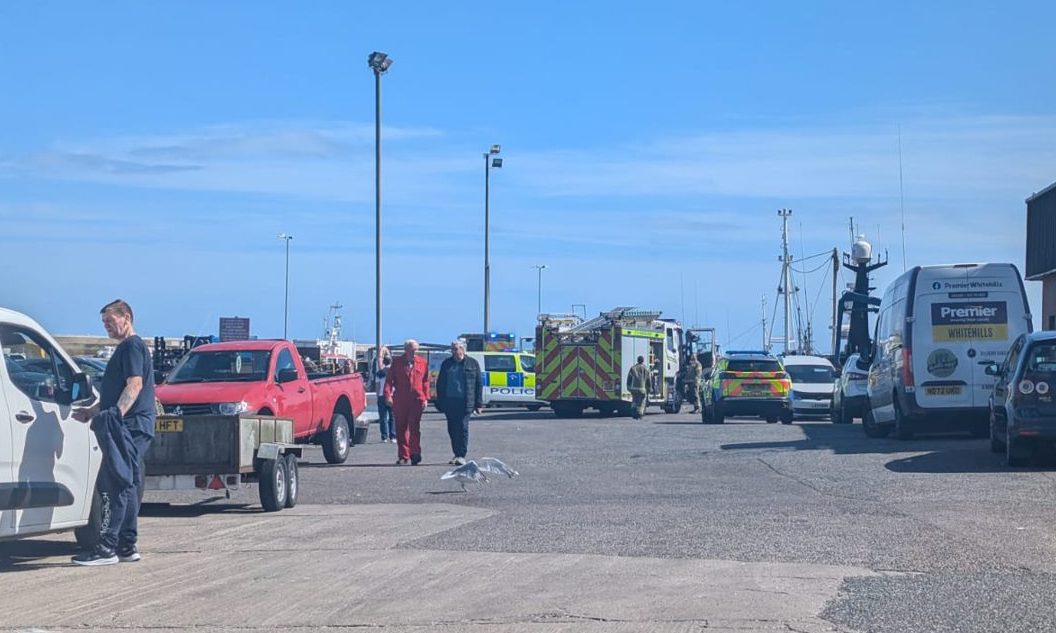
(407,392)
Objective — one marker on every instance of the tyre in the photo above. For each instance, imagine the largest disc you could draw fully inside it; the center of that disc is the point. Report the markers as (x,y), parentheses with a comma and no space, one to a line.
(1017,452)
(903,425)
(840,415)
(534,407)
(997,445)
(273,484)
(871,428)
(787,417)
(718,415)
(293,480)
(705,415)
(88,535)
(335,440)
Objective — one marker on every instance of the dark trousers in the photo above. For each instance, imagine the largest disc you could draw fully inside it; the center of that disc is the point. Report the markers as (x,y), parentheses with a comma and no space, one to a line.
(458,425)
(120,521)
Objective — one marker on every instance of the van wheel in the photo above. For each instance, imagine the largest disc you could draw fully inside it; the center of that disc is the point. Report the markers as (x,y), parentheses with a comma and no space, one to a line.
(871,428)
(273,484)
(903,425)
(88,535)
(335,440)
(293,480)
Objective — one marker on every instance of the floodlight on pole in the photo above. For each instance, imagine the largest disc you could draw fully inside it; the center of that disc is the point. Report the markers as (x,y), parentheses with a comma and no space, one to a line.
(286,304)
(539,305)
(491,160)
(379,63)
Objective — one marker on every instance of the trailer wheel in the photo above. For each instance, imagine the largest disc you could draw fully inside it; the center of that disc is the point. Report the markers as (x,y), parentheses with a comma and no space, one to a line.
(273,489)
(335,440)
(88,535)
(293,480)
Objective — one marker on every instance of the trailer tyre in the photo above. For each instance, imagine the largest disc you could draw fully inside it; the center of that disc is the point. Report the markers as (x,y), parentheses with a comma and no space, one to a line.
(293,480)
(273,484)
(335,440)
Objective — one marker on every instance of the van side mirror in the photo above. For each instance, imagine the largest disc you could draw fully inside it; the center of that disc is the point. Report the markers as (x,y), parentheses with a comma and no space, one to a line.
(79,393)
(286,375)
(991,368)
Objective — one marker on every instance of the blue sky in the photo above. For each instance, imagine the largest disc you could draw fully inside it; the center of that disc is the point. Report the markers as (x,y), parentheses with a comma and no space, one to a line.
(154,151)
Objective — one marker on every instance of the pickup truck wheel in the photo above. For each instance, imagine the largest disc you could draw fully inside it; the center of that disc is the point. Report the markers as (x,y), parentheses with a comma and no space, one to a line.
(88,535)
(273,488)
(293,480)
(335,441)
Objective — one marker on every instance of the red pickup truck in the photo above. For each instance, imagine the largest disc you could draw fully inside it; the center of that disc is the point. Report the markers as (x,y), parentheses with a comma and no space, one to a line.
(268,378)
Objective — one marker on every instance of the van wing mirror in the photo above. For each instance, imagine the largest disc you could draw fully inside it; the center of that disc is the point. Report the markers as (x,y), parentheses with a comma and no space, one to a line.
(79,393)
(990,368)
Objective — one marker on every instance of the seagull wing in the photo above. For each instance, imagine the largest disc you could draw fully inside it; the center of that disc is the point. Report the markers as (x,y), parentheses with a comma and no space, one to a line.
(495,467)
(467,472)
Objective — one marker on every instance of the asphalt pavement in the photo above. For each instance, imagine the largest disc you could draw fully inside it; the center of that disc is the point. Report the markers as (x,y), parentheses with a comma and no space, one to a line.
(661,524)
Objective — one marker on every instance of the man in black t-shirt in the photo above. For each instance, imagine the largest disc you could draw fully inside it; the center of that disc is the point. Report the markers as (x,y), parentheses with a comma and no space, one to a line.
(127,392)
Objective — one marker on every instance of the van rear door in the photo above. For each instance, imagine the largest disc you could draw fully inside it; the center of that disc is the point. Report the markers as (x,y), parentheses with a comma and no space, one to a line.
(964,315)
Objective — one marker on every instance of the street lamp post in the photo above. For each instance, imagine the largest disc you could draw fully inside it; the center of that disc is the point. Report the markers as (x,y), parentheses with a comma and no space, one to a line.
(491,159)
(539,268)
(286,304)
(379,63)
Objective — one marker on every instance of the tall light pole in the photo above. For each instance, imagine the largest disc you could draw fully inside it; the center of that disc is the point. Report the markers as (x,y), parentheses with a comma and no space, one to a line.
(286,305)
(379,63)
(539,268)
(491,159)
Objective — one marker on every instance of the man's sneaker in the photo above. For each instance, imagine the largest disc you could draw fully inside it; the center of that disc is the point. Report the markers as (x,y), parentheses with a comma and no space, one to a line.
(453,461)
(459,461)
(129,554)
(98,555)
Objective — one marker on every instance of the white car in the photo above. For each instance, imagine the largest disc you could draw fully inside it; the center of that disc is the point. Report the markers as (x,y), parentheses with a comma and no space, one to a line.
(48,461)
(851,393)
(813,379)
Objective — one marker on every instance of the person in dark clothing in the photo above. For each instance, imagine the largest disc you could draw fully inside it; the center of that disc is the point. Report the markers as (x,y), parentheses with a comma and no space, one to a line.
(459,391)
(127,391)
(386,424)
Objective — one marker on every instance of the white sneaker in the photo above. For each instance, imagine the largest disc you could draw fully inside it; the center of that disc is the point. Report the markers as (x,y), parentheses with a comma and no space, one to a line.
(459,461)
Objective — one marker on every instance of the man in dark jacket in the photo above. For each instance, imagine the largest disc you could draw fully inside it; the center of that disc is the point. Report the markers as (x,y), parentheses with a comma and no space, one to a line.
(126,393)
(459,390)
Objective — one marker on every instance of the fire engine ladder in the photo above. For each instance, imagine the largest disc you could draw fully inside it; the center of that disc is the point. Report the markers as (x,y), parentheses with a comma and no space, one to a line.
(617,315)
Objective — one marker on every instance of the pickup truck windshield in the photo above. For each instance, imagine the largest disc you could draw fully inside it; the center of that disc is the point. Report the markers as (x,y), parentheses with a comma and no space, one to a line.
(226,366)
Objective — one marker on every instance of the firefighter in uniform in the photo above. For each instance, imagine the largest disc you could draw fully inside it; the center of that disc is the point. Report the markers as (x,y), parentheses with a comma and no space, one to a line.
(691,382)
(638,379)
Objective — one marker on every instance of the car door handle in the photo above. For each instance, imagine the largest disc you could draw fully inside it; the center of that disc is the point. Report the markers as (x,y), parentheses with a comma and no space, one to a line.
(22,416)
(300,389)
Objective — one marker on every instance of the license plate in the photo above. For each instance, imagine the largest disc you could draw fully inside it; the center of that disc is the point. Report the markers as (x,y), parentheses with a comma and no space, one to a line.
(755,388)
(944,390)
(168,425)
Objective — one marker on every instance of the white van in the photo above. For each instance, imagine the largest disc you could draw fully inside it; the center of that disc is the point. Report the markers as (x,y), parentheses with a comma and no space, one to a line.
(935,327)
(48,460)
